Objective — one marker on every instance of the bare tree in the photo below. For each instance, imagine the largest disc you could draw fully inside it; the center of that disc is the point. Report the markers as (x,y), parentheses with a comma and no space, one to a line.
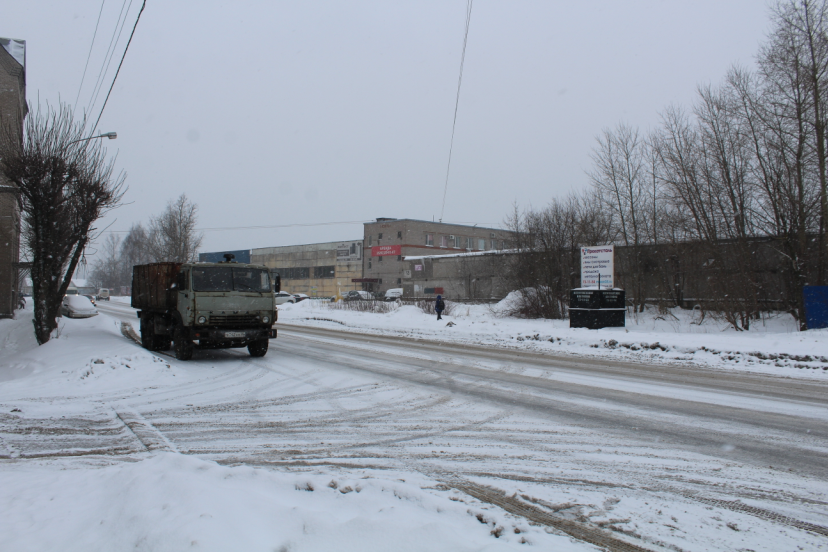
(65,184)
(107,268)
(172,235)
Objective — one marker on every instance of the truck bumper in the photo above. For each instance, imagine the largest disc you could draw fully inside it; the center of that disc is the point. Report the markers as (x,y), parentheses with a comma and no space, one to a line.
(247,334)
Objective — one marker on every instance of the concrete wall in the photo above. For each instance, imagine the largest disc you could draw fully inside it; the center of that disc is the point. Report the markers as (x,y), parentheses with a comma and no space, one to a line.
(12,112)
(307,268)
(465,276)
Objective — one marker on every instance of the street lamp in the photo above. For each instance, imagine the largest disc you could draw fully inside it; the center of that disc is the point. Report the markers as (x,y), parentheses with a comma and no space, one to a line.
(110,135)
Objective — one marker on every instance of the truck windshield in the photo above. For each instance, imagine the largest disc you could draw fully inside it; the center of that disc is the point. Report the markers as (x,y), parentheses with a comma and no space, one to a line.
(230,279)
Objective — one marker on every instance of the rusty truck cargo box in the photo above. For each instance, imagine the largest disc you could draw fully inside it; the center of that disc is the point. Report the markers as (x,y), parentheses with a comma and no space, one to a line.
(153,285)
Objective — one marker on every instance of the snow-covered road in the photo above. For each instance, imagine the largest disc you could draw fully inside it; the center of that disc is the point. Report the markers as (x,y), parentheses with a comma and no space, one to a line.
(655,457)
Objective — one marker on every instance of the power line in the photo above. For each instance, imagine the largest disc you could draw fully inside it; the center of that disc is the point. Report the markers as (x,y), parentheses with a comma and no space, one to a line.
(119,65)
(457,102)
(90,51)
(111,55)
(107,55)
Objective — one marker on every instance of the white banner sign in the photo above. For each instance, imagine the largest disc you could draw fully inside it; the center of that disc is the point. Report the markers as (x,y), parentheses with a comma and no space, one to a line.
(597,262)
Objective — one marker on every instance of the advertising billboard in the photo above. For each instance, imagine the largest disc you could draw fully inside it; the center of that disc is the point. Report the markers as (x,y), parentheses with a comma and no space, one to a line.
(386,250)
(597,265)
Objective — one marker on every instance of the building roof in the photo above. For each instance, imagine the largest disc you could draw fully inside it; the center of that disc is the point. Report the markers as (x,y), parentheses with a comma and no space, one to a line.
(379,220)
(16,49)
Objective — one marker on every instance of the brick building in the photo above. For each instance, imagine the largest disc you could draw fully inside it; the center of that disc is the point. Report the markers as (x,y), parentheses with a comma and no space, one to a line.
(13,110)
(388,241)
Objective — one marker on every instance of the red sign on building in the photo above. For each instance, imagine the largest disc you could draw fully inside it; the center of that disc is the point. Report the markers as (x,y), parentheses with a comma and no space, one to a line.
(386,250)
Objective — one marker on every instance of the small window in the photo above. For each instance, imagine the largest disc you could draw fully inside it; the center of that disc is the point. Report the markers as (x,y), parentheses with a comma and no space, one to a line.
(443,241)
(470,243)
(481,244)
(369,265)
(399,280)
(379,237)
(430,239)
(399,234)
(399,257)
(379,259)
(503,244)
(370,240)
(494,244)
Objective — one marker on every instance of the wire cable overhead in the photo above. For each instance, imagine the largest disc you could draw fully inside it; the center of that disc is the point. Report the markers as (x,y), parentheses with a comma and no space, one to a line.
(457,103)
(119,66)
(89,55)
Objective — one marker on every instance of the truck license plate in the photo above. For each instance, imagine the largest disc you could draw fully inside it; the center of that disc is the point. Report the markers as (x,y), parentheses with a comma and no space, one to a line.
(234,334)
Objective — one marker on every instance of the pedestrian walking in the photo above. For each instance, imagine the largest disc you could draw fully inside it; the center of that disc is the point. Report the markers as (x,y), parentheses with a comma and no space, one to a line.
(439,305)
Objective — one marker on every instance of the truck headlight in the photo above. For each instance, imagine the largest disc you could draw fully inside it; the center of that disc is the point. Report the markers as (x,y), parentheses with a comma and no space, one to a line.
(202,319)
(265,319)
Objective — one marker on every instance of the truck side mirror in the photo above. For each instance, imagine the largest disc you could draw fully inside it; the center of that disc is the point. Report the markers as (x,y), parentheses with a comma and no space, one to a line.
(277,282)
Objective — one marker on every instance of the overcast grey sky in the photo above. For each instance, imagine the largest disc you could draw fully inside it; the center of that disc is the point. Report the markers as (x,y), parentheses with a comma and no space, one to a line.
(284,113)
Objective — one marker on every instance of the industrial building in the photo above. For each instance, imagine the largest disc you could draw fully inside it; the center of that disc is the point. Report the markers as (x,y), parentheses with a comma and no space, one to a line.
(377,263)
(389,241)
(317,269)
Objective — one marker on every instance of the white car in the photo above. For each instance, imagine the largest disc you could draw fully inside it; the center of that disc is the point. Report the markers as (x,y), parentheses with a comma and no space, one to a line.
(77,306)
(285,297)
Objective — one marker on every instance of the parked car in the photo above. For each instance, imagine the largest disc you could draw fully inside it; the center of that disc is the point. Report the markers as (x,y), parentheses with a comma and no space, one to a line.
(358,295)
(393,294)
(91,300)
(300,296)
(283,297)
(77,306)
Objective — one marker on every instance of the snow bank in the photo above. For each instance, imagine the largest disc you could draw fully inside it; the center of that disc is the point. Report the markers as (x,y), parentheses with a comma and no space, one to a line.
(773,345)
(176,502)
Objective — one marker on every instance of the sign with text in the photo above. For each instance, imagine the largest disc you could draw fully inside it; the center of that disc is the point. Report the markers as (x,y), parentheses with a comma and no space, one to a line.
(595,262)
(386,250)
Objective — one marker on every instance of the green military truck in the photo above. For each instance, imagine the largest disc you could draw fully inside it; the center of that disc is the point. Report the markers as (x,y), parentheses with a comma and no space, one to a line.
(218,305)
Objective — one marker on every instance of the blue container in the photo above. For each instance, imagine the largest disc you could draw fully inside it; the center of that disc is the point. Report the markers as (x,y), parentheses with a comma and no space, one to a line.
(816,306)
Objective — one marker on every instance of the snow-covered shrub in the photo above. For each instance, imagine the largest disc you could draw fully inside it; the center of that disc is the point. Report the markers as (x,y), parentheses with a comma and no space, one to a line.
(378,307)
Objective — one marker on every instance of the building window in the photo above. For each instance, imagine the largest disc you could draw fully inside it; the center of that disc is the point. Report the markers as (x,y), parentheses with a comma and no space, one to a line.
(370,239)
(399,257)
(379,259)
(295,273)
(399,280)
(469,243)
(503,244)
(369,265)
(481,244)
(399,234)
(379,237)
(321,272)
(430,239)
(443,241)
(494,244)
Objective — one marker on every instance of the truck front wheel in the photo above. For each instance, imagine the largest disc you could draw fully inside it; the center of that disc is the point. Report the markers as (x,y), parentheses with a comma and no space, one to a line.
(258,348)
(183,344)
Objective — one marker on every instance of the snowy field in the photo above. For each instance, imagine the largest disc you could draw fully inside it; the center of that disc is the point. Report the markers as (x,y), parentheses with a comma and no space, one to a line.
(772,346)
(105,446)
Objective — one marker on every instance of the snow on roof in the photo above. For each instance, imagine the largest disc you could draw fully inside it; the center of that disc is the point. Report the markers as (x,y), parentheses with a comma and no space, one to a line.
(16,49)
(80,282)
(466,254)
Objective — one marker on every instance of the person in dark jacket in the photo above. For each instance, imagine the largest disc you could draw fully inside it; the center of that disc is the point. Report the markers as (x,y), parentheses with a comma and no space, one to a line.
(439,305)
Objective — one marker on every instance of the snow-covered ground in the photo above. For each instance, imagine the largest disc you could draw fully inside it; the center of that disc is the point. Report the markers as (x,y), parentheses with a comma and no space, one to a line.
(772,346)
(105,446)
(74,477)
